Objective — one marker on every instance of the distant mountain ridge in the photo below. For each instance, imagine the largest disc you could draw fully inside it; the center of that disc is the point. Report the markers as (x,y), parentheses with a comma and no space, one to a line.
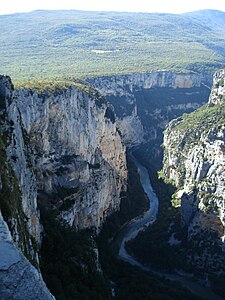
(50,44)
(213,17)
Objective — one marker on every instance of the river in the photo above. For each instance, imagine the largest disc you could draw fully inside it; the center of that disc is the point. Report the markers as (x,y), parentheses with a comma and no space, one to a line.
(131,230)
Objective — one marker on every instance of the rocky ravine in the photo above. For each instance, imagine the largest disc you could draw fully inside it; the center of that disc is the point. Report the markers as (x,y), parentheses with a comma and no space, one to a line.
(194,159)
(64,146)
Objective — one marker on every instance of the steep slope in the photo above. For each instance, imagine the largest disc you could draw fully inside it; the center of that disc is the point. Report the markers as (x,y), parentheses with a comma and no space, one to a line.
(18,205)
(194,159)
(80,160)
(62,147)
(212,18)
(17,181)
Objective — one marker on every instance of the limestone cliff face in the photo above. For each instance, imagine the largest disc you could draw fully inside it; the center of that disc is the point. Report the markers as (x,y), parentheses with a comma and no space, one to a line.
(195,160)
(148,101)
(18,182)
(119,83)
(63,147)
(20,227)
(80,160)
(218,90)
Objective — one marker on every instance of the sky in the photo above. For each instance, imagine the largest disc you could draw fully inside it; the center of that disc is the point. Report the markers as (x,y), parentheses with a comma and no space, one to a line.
(169,6)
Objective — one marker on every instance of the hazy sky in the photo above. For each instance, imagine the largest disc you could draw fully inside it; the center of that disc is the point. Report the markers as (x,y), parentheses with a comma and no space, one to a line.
(173,6)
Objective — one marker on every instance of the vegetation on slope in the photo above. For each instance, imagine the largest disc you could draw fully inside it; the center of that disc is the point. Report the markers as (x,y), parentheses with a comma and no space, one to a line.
(164,244)
(203,119)
(47,88)
(166,237)
(68,260)
(54,87)
(62,44)
(128,282)
(191,127)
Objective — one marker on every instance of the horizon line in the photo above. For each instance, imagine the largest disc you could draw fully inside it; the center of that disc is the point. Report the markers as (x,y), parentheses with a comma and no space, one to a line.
(109,11)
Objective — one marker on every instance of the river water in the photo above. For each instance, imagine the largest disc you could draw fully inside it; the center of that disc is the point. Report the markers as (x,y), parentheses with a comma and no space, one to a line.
(131,230)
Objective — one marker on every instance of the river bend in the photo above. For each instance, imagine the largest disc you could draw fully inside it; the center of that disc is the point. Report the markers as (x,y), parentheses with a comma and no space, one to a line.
(132,229)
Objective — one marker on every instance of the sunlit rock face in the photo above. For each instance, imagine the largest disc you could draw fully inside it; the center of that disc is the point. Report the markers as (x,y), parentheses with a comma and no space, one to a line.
(79,157)
(117,84)
(194,159)
(67,146)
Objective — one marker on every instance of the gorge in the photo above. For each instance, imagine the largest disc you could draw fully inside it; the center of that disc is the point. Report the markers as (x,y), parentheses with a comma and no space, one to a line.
(199,197)
(106,134)
(81,172)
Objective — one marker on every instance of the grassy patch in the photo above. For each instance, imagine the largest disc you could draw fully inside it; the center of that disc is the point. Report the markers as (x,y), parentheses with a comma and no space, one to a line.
(54,87)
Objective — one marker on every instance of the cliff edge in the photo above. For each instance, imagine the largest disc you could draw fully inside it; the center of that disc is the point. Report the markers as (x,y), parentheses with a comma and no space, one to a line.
(194,160)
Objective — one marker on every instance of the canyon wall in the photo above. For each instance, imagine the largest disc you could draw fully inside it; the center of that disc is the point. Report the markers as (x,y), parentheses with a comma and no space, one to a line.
(63,149)
(17,181)
(79,158)
(194,159)
(118,83)
(145,103)
(19,217)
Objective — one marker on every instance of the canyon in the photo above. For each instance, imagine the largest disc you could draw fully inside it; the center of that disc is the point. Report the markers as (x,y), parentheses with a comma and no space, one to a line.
(145,103)
(67,150)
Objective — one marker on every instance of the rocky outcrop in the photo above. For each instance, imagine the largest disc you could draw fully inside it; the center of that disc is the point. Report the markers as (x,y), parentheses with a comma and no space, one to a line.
(218,90)
(194,159)
(79,158)
(64,147)
(18,278)
(131,130)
